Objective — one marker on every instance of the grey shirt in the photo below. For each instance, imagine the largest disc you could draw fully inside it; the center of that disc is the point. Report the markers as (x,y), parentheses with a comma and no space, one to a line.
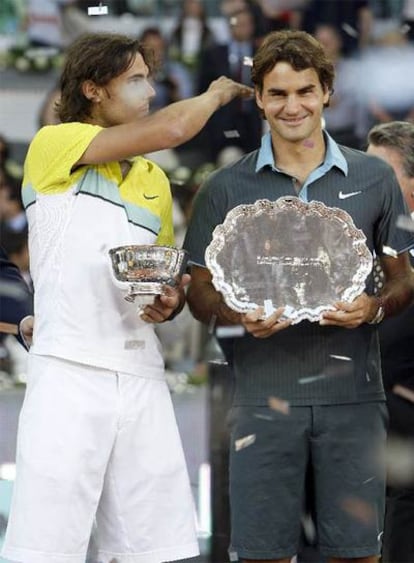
(304,364)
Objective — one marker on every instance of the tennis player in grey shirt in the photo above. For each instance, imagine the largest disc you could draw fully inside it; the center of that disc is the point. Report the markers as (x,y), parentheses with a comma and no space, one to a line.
(336,422)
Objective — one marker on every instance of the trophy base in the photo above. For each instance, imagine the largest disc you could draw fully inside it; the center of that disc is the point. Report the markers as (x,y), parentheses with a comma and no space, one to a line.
(144,293)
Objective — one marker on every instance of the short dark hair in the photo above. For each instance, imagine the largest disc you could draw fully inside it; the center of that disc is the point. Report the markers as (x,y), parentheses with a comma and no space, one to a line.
(299,49)
(99,57)
(399,136)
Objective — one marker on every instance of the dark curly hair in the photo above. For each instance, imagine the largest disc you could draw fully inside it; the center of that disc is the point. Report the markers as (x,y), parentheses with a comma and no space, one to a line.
(299,49)
(99,57)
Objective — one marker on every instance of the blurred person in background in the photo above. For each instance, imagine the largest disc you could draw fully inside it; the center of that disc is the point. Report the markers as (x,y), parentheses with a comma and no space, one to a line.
(191,35)
(341,116)
(15,244)
(385,79)
(239,123)
(352,18)
(100,467)
(407,14)
(171,79)
(394,143)
(16,302)
(7,163)
(12,213)
(47,23)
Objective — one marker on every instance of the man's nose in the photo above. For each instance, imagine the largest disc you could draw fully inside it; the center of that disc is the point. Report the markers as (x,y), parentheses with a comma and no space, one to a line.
(292,104)
(150,90)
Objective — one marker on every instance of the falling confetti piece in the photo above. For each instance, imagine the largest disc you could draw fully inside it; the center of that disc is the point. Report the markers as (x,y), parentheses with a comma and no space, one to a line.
(399,461)
(349,30)
(403,392)
(311,379)
(405,223)
(390,251)
(368,480)
(405,28)
(230,331)
(244,442)
(359,509)
(231,134)
(212,324)
(279,405)
(344,358)
(268,307)
(98,10)
(247,61)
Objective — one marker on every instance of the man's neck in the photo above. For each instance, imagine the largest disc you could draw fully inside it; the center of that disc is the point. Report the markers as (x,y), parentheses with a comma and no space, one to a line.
(300,158)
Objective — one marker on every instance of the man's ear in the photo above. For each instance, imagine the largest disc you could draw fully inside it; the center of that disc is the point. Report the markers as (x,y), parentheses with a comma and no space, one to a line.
(258,96)
(91,91)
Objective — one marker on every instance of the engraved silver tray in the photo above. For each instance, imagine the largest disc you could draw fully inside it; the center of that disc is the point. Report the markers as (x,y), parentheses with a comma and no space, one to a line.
(303,256)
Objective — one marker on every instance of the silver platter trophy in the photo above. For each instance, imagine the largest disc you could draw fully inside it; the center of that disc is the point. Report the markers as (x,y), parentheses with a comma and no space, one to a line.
(303,256)
(144,271)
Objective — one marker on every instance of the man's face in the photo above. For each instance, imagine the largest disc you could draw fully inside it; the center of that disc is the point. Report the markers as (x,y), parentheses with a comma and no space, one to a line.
(126,98)
(394,159)
(292,102)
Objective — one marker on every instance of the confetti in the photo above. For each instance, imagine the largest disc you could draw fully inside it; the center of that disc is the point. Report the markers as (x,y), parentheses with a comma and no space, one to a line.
(98,10)
(244,442)
(279,405)
(403,392)
(231,134)
(212,324)
(268,307)
(247,61)
(349,30)
(360,510)
(311,379)
(400,461)
(390,251)
(404,29)
(263,416)
(230,331)
(344,358)
(218,362)
(405,223)
(368,480)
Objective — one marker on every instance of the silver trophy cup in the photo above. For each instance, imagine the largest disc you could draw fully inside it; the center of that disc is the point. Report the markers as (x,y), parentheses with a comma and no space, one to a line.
(145,270)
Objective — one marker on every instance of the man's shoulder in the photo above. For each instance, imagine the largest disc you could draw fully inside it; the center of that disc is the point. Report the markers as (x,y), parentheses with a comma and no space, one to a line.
(356,157)
(245,164)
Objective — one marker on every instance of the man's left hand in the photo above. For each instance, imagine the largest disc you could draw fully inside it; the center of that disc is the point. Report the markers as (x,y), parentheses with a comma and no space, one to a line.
(351,315)
(164,305)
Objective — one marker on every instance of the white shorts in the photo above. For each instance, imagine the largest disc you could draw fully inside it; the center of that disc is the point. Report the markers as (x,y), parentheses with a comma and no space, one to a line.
(99,463)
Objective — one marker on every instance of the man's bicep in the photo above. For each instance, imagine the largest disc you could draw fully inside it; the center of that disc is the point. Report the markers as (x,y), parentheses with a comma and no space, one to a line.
(200,274)
(397,267)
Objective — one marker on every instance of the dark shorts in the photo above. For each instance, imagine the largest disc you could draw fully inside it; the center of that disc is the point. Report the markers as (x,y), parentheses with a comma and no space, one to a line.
(269,456)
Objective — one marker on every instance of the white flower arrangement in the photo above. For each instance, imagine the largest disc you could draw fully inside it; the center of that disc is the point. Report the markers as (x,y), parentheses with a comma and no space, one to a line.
(33,59)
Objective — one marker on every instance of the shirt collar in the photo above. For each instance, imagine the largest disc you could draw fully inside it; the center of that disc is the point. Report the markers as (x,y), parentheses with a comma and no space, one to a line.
(333,156)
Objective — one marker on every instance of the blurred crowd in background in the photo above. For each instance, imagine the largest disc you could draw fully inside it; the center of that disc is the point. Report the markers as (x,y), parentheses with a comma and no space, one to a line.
(371,43)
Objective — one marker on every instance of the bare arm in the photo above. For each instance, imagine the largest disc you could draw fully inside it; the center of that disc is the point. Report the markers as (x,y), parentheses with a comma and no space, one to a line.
(396,295)
(207,306)
(166,128)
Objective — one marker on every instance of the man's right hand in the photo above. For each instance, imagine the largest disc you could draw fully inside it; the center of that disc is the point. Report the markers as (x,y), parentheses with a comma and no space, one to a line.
(26,330)
(227,89)
(261,327)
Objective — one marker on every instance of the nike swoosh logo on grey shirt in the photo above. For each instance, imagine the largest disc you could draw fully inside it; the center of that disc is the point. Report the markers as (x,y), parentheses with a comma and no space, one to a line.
(343,195)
